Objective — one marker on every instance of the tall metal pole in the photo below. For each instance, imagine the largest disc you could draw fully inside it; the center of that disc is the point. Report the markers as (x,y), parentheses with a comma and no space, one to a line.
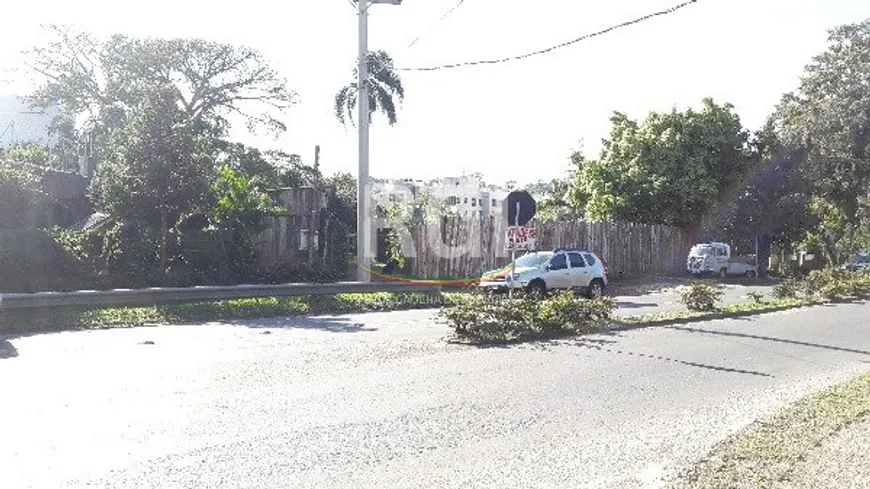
(363,218)
(514,255)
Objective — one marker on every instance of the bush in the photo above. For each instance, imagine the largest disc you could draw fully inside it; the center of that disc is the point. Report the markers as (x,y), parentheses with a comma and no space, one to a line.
(830,284)
(860,284)
(701,296)
(756,297)
(787,289)
(32,261)
(498,319)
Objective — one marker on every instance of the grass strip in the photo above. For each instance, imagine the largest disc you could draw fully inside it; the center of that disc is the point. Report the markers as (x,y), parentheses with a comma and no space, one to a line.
(63,319)
(766,453)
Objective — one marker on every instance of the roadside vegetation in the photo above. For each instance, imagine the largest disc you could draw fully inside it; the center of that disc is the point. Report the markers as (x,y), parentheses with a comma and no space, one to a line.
(474,318)
(818,287)
(160,109)
(725,311)
(25,321)
(482,319)
(767,453)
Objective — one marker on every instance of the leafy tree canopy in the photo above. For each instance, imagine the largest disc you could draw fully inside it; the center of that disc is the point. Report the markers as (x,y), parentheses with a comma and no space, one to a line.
(20,196)
(269,169)
(100,80)
(829,116)
(160,167)
(385,88)
(669,169)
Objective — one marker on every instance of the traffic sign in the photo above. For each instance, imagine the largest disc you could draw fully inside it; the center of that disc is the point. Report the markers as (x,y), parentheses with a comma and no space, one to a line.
(521,208)
(520,238)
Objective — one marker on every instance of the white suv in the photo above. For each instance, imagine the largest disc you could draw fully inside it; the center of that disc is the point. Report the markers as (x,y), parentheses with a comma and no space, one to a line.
(542,271)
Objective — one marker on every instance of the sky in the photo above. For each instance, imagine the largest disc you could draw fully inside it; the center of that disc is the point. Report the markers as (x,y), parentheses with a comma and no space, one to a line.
(512,121)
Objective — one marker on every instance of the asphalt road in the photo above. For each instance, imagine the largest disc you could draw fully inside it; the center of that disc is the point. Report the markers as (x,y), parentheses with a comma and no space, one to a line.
(380,401)
(668,299)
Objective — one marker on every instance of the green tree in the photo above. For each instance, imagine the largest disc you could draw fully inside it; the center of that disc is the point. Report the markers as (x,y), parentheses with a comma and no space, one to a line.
(239,215)
(99,83)
(384,87)
(553,199)
(670,169)
(154,112)
(21,197)
(160,169)
(65,152)
(209,80)
(269,169)
(828,116)
(341,214)
(33,154)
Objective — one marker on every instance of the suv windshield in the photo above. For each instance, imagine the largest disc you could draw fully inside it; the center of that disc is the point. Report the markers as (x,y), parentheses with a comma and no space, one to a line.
(533,259)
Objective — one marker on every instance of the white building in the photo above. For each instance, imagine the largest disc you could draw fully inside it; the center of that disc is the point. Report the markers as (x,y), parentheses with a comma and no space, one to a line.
(20,123)
(466,196)
(385,193)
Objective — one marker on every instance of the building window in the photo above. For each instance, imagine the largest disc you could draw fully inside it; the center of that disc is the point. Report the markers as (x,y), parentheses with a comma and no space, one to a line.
(473,202)
(466,200)
(494,203)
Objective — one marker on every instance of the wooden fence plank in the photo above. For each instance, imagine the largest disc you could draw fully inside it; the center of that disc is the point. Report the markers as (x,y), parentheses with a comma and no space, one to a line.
(472,247)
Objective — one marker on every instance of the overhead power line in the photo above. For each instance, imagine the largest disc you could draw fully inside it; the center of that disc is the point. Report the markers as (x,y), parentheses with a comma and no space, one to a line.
(553,48)
(439,21)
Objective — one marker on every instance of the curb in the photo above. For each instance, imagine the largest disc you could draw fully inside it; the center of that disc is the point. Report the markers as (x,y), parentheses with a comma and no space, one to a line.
(614,325)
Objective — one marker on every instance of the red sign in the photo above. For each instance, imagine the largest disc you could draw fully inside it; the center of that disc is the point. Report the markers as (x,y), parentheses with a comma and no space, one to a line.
(519,238)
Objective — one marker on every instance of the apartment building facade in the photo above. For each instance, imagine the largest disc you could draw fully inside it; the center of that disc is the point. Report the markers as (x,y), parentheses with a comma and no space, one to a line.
(466,196)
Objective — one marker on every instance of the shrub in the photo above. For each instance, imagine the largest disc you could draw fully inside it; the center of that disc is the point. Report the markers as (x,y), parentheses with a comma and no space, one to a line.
(564,311)
(497,319)
(860,284)
(757,297)
(701,296)
(829,283)
(787,289)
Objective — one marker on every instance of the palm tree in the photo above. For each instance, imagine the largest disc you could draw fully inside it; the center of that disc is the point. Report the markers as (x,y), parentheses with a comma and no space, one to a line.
(384,85)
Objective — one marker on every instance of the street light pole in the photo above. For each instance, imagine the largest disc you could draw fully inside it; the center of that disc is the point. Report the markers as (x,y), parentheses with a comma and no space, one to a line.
(363,221)
(364,242)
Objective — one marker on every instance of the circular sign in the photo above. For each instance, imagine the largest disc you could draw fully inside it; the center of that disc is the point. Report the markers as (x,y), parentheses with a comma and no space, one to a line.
(521,208)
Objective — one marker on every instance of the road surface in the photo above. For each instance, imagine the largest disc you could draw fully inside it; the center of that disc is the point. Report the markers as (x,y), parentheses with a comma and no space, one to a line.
(668,299)
(380,401)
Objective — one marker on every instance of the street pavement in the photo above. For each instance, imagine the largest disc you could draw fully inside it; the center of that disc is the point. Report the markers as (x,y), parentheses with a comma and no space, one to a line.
(668,299)
(381,401)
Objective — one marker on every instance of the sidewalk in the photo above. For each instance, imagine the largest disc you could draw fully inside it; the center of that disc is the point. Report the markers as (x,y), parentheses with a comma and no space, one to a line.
(841,462)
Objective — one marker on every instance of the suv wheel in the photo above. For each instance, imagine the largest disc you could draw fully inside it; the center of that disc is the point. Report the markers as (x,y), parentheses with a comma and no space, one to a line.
(537,289)
(596,289)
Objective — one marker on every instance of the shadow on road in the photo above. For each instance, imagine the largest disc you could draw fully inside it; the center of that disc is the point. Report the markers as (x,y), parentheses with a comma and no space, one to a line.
(601,341)
(332,324)
(580,342)
(7,350)
(635,305)
(769,338)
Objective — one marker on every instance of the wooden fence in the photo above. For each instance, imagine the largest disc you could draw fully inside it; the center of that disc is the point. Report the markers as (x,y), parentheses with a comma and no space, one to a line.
(465,249)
